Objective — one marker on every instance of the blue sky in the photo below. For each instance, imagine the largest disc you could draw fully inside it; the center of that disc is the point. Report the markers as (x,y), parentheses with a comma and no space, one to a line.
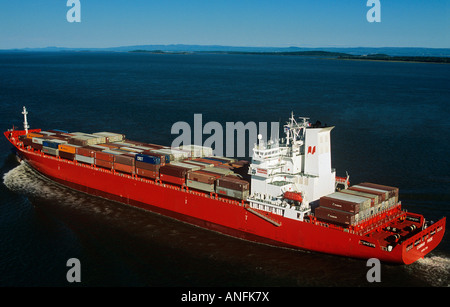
(282,23)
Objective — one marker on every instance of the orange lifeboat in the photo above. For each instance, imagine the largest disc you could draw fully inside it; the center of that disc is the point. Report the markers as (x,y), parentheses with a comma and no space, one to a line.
(297,196)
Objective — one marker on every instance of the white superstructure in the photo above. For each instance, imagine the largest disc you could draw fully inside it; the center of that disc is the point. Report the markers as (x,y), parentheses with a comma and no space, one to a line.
(299,164)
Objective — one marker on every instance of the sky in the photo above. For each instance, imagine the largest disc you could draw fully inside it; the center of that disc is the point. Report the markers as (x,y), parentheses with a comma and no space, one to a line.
(250,23)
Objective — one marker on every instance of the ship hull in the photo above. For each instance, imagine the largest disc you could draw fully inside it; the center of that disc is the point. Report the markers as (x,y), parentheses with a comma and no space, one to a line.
(224,215)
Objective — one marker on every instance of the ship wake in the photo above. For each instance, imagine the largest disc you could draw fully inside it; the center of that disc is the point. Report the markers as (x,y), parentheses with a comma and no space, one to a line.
(435,270)
(23,179)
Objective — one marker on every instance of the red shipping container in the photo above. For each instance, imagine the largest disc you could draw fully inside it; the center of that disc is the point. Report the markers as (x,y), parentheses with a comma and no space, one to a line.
(124,168)
(335,216)
(232,183)
(148,166)
(125,159)
(173,170)
(203,177)
(333,203)
(393,191)
(104,164)
(100,155)
(146,173)
(66,155)
(172,179)
(84,151)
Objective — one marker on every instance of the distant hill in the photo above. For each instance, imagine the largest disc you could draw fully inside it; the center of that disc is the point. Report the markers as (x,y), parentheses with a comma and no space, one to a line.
(360,51)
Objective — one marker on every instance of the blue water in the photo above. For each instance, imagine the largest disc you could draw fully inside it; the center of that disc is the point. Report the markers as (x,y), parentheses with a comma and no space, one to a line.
(391,127)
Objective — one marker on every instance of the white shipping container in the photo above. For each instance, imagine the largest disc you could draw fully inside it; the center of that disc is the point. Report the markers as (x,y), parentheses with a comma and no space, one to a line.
(80,158)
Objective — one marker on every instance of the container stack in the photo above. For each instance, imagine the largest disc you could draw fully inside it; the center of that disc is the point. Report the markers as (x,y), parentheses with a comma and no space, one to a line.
(124,162)
(192,166)
(67,151)
(201,180)
(197,151)
(173,174)
(147,165)
(233,187)
(104,159)
(356,204)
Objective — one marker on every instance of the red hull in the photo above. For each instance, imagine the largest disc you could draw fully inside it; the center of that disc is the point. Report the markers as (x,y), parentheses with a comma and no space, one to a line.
(229,216)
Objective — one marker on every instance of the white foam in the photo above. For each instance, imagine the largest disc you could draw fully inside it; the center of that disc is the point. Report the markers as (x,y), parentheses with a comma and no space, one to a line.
(435,269)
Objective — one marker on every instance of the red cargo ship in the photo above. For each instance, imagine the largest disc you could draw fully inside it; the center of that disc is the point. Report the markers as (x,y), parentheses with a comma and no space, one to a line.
(292,199)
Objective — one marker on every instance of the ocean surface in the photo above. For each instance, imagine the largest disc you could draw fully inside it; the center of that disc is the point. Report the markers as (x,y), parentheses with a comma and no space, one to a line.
(391,127)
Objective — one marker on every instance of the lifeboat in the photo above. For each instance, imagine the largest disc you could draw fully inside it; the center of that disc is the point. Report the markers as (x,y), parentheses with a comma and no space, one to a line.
(297,196)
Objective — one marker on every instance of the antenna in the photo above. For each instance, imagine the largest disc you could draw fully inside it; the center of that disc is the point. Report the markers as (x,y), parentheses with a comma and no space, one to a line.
(25,122)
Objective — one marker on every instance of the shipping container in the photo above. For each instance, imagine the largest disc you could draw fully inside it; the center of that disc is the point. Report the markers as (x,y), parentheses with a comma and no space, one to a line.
(173,170)
(363,202)
(36,146)
(148,166)
(175,154)
(339,204)
(172,179)
(203,177)
(232,193)
(31,135)
(163,158)
(393,191)
(84,159)
(225,159)
(53,143)
(50,150)
(38,140)
(66,155)
(109,146)
(335,216)
(197,151)
(148,159)
(198,185)
(132,149)
(104,156)
(147,173)
(232,183)
(385,194)
(68,148)
(380,194)
(217,170)
(125,159)
(111,137)
(186,165)
(201,164)
(222,161)
(104,164)
(373,197)
(129,169)
(86,151)
(123,144)
(47,133)
(58,131)
(208,161)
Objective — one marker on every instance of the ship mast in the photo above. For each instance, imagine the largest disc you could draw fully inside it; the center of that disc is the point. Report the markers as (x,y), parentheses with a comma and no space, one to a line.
(25,122)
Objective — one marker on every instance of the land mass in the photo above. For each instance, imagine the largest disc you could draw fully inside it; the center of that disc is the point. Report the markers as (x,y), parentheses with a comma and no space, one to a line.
(404,54)
(318,53)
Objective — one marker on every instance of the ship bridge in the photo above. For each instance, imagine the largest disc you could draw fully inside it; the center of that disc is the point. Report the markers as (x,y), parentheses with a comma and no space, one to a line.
(299,163)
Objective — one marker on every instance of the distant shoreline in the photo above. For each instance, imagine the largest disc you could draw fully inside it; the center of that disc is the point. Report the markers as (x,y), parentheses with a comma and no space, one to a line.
(325,54)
